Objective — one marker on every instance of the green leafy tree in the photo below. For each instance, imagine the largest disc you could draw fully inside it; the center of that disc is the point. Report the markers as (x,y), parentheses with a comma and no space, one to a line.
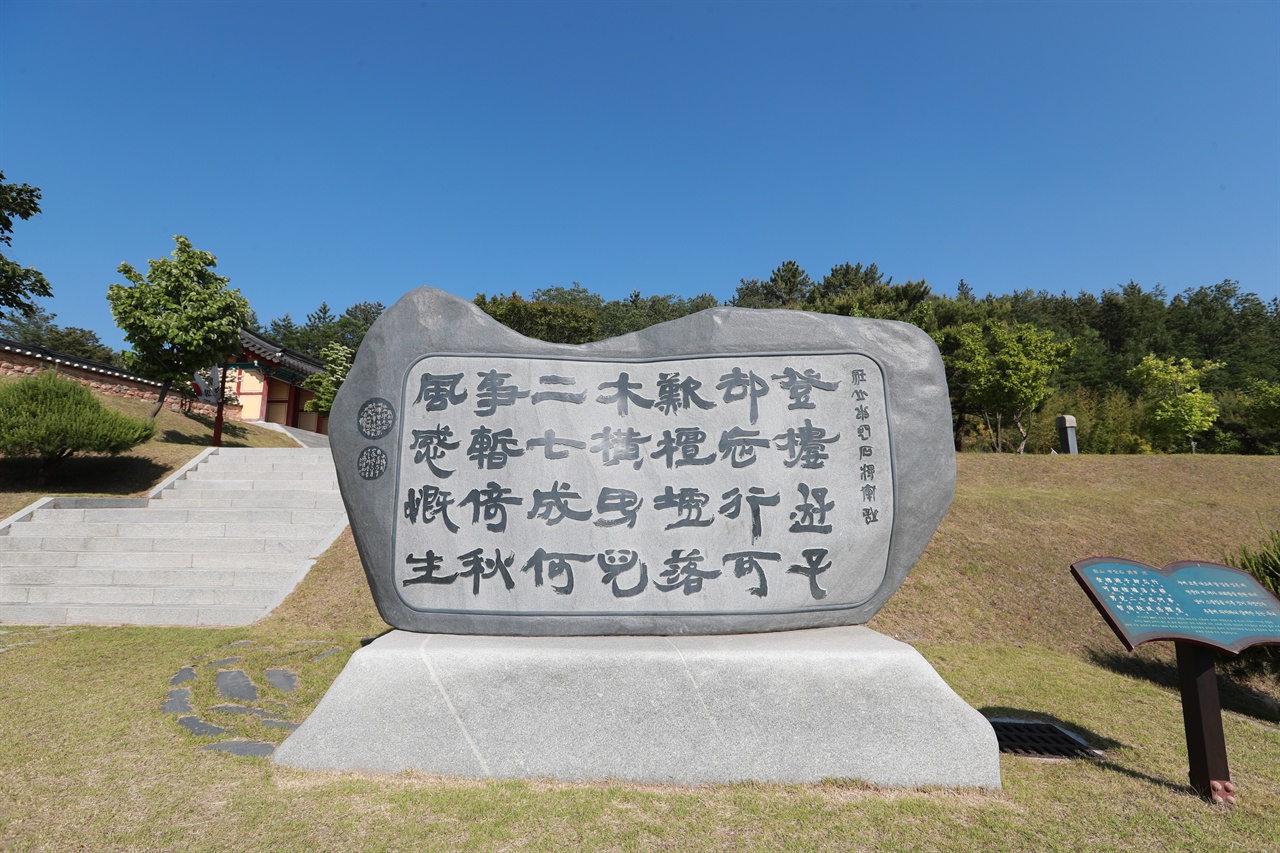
(337,364)
(179,318)
(1007,368)
(1180,410)
(50,418)
(786,286)
(37,329)
(18,284)
(546,321)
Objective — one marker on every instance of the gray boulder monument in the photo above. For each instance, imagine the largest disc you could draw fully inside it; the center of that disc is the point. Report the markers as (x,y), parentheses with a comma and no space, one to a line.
(646,558)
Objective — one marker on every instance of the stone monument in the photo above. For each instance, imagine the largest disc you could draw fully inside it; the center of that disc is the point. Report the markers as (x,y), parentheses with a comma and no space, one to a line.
(643,558)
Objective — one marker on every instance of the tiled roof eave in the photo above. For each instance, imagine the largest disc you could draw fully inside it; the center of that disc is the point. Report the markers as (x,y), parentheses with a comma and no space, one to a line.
(57,358)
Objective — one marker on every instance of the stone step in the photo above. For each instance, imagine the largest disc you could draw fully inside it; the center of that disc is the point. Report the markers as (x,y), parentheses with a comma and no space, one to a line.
(189,545)
(114,614)
(160,513)
(152,559)
(221,546)
(241,578)
(282,454)
(182,530)
(228,485)
(247,500)
(116,593)
(324,475)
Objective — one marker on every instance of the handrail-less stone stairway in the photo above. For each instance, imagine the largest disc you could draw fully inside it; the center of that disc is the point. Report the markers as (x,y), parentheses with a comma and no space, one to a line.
(221,543)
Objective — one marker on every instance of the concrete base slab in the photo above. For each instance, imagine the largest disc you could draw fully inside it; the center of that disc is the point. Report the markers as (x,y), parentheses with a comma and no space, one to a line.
(794,706)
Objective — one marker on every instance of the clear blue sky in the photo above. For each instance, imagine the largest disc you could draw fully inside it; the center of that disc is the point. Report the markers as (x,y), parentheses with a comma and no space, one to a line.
(348,152)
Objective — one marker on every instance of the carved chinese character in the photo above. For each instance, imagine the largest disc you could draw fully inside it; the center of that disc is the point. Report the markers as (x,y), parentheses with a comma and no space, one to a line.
(491,449)
(624,502)
(620,446)
(549,442)
(739,445)
(683,572)
(805,445)
(675,393)
(746,562)
(558,396)
(433,503)
(554,501)
(615,563)
(811,513)
(438,392)
(425,568)
(686,443)
(688,502)
(756,498)
(624,394)
(493,501)
(493,392)
(737,385)
(556,565)
(479,568)
(799,386)
(813,558)
(430,445)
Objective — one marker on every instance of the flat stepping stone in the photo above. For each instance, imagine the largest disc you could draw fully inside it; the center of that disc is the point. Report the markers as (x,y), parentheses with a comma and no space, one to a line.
(240,709)
(183,675)
(272,723)
(197,726)
(240,643)
(282,679)
(225,662)
(323,655)
(179,702)
(234,684)
(243,748)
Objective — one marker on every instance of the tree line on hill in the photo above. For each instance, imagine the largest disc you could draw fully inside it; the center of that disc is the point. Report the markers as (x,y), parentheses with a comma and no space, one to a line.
(1140,371)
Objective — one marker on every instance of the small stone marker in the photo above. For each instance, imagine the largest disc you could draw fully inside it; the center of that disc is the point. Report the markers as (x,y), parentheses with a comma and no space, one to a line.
(1201,607)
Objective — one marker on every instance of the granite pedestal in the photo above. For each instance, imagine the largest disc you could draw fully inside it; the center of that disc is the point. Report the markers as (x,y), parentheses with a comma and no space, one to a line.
(792,706)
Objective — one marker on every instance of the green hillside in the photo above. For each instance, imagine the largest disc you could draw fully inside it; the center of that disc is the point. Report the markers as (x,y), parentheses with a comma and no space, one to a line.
(88,760)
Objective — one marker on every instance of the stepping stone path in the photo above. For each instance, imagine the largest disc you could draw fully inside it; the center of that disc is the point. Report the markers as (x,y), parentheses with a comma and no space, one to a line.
(245,697)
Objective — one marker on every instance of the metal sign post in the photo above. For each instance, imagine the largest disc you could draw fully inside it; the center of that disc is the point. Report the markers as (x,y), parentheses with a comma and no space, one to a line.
(1201,607)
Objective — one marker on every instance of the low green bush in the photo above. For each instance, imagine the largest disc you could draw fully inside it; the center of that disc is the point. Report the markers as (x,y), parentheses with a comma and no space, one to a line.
(1264,564)
(50,418)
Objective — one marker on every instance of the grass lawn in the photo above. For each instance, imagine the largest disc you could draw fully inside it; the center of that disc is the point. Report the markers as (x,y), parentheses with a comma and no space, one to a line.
(89,761)
(178,438)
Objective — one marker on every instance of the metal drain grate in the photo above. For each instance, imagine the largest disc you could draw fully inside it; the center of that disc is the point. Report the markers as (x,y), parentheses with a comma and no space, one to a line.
(1040,740)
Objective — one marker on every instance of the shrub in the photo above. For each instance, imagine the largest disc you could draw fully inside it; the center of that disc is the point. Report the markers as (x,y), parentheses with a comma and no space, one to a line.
(50,418)
(1264,564)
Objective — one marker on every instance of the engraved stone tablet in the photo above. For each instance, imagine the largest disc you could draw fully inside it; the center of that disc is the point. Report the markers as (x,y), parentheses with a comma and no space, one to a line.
(732,471)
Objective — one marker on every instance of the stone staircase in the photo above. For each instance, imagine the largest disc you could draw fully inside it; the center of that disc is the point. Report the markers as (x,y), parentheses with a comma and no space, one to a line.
(220,543)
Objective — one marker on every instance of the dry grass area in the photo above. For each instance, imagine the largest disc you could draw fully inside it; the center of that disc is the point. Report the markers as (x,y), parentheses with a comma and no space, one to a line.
(88,761)
(178,438)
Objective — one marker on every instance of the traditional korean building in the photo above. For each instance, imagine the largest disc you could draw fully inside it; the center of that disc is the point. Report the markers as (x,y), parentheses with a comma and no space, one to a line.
(268,383)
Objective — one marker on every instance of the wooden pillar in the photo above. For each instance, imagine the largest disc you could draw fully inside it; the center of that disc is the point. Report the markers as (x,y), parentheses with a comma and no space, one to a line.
(1202,719)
